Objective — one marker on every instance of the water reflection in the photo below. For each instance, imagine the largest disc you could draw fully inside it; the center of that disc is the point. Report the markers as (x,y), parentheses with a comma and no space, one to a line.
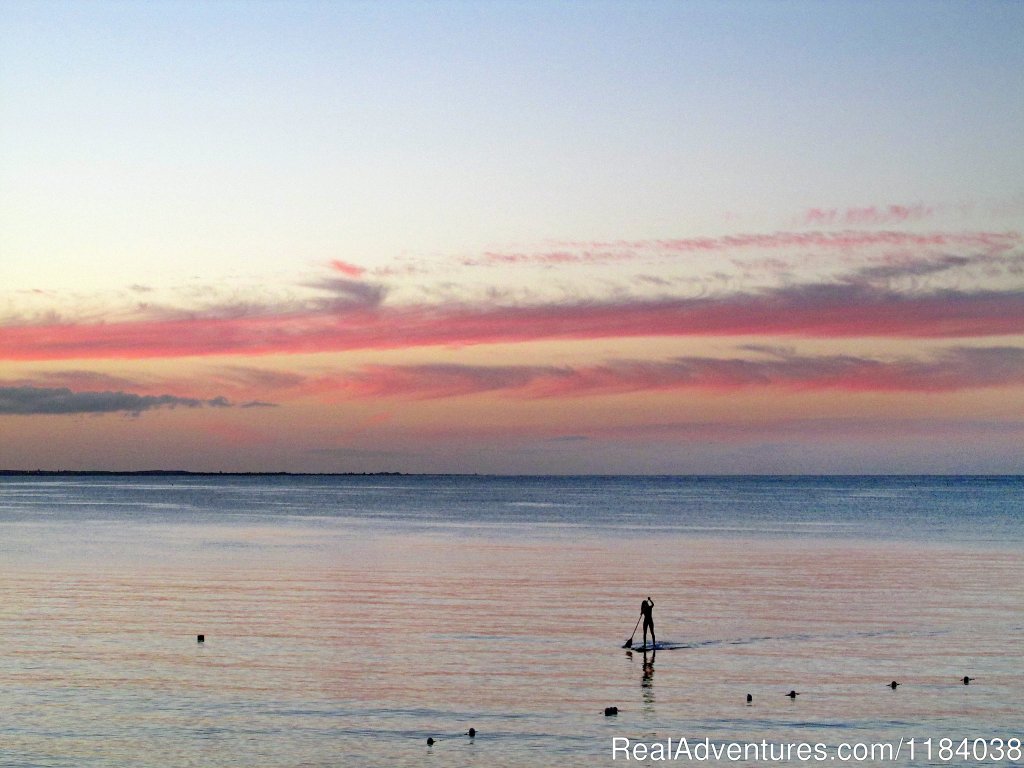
(647,682)
(330,642)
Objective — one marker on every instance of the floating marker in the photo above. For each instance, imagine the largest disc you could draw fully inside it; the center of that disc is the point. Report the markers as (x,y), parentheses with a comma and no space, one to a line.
(200,638)
(609,711)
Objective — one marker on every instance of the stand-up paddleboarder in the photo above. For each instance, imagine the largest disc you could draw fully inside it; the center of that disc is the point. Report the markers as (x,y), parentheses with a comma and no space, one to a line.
(647,611)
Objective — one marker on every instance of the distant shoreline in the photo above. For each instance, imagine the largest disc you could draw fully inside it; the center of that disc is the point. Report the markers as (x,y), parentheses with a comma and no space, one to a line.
(190,473)
(179,473)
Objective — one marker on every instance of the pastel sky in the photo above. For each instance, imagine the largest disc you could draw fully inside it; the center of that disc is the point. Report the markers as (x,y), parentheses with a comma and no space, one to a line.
(512,237)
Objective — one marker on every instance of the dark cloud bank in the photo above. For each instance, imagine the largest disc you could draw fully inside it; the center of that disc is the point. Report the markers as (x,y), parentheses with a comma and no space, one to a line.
(29,400)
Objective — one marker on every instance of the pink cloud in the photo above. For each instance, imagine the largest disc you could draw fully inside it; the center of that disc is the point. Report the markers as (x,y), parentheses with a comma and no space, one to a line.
(818,310)
(594,252)
(349,270)
(868,216)
(957,369)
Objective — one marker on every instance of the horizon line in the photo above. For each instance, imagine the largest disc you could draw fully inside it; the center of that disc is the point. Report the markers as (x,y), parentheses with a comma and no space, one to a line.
(387,473)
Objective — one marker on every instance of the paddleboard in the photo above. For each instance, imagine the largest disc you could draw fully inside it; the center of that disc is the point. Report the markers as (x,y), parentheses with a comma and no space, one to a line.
(666,646)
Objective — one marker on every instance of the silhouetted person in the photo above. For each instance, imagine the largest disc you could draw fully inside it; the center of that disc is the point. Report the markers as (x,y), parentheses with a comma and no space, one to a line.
(647,610)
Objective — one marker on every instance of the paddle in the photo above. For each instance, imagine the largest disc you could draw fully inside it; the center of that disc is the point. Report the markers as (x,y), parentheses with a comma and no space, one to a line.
(629,642)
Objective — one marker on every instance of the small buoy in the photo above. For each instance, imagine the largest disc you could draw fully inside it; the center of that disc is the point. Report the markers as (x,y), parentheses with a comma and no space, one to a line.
(967,680)
(609,711)
(893,685)
(750,698)
(200,638)
(430,741)
(792,694)
(472,733)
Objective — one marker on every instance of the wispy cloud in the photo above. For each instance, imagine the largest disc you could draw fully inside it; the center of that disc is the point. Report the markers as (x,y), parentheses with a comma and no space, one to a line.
(79,379)
(251,379)
(954,370)
(813,310)
(873,215)
(609,251)
(914,290)
(888,269)
(349,270)
(28,400)
(348,294)
(899,268)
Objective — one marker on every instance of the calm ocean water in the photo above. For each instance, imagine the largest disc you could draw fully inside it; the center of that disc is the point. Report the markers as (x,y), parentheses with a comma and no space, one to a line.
(347,619)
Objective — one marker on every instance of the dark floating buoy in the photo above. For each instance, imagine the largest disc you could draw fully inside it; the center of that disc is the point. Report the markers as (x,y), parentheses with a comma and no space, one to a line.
(430,741)
(750,698)
(472,733)
(893,685)
(609,711)
(200,638)
(792,694)
(967,680)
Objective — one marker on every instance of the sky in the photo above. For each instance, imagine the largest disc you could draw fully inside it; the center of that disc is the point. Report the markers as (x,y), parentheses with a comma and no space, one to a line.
(512,237)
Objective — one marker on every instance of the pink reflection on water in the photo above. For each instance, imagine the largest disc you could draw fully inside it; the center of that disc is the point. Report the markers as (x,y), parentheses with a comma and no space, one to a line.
(392,626)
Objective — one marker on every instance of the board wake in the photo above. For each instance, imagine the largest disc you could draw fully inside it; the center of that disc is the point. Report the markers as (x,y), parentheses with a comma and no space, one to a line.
(659,646)
(673,646)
